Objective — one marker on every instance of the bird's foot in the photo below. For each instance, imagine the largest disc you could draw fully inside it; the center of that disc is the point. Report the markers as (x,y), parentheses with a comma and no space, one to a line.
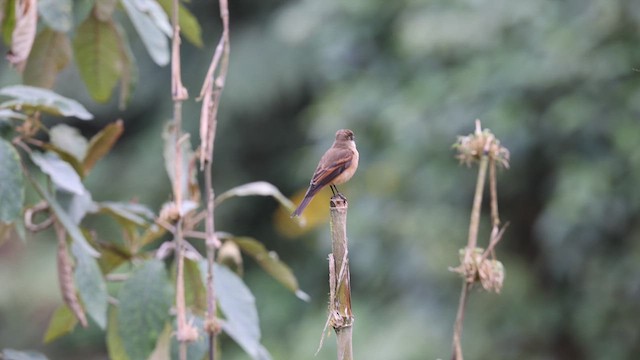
(339,196)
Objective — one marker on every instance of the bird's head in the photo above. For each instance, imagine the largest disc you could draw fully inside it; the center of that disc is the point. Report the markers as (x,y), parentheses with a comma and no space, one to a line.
(344,135)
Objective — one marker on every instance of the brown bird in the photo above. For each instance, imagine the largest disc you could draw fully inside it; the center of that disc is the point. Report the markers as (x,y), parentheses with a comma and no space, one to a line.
(336,167)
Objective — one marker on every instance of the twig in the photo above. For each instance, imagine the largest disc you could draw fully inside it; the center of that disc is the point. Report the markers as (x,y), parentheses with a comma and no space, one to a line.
(493,187)
(472,241)
(179,94)
(474,224)
(495,217)
(210,96)
(31,212)
(457,330)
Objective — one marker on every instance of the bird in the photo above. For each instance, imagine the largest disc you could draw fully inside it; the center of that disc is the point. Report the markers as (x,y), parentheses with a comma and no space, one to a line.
(336,167)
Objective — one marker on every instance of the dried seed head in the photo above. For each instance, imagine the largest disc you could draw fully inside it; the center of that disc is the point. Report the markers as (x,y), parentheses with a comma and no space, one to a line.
(476,267)
(471,148)
(491,275)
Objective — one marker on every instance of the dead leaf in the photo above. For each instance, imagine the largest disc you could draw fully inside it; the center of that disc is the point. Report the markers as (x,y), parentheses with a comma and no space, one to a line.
(24,33)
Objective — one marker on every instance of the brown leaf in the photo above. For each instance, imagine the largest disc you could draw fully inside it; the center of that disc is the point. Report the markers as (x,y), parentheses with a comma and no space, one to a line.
(24,33)
(101,144)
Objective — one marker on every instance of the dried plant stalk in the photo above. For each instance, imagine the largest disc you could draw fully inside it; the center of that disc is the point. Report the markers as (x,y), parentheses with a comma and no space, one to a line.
(340,314)
(65,276)
(210,96)
(482,147)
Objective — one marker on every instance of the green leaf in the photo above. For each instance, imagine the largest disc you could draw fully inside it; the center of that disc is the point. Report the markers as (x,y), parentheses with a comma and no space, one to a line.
(66,157)
(137,214)
(101,144)
(82,9)
(239,307)
(189,25)
(76,206)
(62,174)
(66,221)
(133,217)
(6,114)
(97,52)
(9,22)
(112,256)
(50,54)
(70,140)
(270,262)
(91,285)
(115,345)
(195,292)
(151,26)
(38,99)
(57,14)
(129,71)
(162,350)
(11,183)
(258,188)
(145,299)
(62,322)
(10,354)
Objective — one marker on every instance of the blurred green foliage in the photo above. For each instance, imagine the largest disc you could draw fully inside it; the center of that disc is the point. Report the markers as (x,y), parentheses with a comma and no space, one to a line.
(555,81)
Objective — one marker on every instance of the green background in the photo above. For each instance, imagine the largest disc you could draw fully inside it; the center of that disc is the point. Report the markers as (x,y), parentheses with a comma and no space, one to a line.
(558,82)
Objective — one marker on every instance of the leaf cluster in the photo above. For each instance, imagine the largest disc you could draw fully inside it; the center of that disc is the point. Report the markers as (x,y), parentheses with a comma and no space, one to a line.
(90,34)
(121,283)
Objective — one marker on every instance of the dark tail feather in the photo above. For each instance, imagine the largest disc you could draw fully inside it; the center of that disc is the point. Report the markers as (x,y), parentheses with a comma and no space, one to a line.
(311,192)
(302,205)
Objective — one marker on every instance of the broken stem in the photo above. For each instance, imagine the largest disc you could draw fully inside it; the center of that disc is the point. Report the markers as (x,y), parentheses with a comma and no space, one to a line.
(340,305)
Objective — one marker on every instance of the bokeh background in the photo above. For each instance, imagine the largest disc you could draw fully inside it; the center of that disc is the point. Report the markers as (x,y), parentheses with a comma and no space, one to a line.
(557,81)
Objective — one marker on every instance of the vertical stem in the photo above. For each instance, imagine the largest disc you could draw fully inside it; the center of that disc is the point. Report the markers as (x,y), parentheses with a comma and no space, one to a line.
(211,249)
(340,307)
(495,217)
(180,299)
(178,94)
(493,186)
(457,329)
(474,223)
(210,95)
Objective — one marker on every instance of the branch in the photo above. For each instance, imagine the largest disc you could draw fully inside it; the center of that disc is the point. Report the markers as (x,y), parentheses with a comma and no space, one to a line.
(186,332)
(340,314)
(210,96)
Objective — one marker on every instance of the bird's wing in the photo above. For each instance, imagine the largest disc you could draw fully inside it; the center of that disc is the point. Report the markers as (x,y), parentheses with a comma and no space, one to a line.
(330,168)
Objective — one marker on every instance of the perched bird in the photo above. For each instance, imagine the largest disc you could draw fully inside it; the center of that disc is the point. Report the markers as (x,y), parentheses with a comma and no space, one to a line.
(336,167)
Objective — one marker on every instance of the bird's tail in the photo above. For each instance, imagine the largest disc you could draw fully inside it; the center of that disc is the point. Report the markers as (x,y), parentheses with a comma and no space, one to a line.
(307,198)
(302,205)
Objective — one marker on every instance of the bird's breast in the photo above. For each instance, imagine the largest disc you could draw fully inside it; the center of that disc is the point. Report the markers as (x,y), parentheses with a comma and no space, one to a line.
(349,171)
